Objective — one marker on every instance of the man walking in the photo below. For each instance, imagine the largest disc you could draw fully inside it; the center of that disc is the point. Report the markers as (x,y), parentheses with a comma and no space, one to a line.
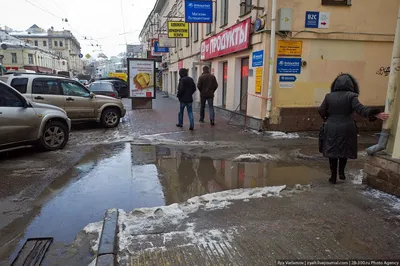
(207,85)
(186,88)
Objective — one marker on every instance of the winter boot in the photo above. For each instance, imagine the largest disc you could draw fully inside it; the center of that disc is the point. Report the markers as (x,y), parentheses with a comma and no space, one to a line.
(333,163)
(342,166)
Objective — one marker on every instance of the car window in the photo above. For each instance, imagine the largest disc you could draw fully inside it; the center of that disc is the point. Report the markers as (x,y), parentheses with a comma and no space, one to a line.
(20,84)
(4,79)
(73,88)
(122,84)
(101,87)
(46,86)
(8,97)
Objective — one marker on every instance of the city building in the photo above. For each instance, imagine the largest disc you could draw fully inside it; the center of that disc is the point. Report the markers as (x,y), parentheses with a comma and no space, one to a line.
(15,54)
(63,43)
(315,40)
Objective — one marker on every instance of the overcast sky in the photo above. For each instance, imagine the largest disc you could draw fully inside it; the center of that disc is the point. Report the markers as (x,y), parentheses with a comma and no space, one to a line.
(100,20)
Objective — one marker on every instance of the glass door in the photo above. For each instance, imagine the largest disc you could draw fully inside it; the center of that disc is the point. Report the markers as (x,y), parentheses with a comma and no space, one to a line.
(244,84)
(224,83)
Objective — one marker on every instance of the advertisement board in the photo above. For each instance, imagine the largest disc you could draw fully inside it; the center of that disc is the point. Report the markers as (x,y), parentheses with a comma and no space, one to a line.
(231,40)
(164,41)
(141,78)
(290,48)
(160,49)
(198,11)
(134,48)
(178,29)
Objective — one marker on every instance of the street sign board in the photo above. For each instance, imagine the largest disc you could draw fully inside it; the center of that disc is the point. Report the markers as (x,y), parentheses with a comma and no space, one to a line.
(259,79)
(290,48)
(134,48)
(178,29)
(141,78)
(80,55)
(159,49)
(288,65)
(257,58)
(164,41)
(198,11)
(287,78)
(317,20)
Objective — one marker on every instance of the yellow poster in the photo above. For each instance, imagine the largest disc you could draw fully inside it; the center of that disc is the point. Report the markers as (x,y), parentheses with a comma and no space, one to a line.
(259,79)
(178,29)
(290,48)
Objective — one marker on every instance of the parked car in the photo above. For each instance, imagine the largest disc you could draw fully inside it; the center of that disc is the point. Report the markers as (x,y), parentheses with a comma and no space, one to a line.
(120,85)
(103,88)
(23,122)
(79,103)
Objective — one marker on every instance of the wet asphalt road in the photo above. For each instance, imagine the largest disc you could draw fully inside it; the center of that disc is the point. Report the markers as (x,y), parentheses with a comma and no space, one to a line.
(145,162)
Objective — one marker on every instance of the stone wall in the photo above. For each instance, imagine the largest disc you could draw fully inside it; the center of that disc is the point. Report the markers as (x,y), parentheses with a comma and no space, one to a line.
(383,173)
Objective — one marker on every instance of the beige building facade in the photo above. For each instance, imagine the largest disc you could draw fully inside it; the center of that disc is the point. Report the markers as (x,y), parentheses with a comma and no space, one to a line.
(315,41)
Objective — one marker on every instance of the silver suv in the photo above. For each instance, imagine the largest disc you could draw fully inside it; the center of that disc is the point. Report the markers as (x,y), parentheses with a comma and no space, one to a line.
(24,122)
(70,95)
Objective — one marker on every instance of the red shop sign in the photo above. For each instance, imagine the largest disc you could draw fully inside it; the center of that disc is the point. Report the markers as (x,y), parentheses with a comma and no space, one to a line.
(180,64)
(231,40)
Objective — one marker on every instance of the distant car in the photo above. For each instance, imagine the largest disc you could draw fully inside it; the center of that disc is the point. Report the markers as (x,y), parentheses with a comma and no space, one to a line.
(23,122)
(84,82)
(103,88)
(70,95)
(120,85)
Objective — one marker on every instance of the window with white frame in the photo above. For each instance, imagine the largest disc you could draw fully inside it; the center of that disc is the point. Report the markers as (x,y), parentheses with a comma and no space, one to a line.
(224,12)
(30,59)
(14,59)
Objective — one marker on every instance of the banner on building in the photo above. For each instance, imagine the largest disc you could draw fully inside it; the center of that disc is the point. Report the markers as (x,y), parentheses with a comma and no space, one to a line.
(142,78)
(231,40)
(178,29)
(198,11)
(134,49)
(164,41)
(160,49)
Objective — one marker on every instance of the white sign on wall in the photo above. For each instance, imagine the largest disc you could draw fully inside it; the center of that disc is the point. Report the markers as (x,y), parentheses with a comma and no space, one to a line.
(323,22)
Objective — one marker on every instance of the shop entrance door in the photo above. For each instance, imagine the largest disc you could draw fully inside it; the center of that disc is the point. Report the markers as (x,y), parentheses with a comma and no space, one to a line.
(244,84)
(224,83)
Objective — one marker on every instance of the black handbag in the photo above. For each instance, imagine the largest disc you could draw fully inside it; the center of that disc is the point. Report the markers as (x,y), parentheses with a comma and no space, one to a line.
(321,138)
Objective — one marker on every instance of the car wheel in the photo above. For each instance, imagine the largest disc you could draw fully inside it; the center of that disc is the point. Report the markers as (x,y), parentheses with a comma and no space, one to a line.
(110,117)
(54,136)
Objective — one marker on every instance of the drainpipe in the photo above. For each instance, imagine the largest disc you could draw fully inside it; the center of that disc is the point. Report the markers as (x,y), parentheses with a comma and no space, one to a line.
(271,59)
(394,83)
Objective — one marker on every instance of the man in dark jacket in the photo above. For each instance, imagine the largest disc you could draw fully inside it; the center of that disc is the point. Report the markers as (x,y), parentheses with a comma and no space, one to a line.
(186,88)
(207,85)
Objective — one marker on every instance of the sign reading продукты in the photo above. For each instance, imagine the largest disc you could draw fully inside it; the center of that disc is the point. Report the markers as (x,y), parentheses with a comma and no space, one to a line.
(317,20)
(287,78)
(258,58)
(288,66)
(198,11)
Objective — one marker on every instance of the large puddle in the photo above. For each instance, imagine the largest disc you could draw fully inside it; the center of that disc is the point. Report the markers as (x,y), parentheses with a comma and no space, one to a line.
(132,176)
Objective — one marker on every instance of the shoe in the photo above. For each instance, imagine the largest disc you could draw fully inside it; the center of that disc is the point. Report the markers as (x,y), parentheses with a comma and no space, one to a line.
(342,176)
(212,122)
(332,180)
(201,121)
(191,128)
(179,125)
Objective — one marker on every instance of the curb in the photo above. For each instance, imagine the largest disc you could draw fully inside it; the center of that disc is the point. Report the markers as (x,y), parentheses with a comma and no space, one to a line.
(107,251)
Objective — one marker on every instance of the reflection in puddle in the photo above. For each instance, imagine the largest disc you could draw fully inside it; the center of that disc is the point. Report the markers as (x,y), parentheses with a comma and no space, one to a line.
(134,176)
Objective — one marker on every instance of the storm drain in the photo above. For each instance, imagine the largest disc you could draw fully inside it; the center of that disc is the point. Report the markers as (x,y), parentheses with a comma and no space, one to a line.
(33,252)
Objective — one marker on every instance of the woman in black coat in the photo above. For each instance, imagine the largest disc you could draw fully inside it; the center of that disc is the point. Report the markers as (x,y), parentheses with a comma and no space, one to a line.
(340,132)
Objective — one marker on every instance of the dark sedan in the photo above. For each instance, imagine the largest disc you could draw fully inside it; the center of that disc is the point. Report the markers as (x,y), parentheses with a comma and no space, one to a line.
(120,85)
(103,88)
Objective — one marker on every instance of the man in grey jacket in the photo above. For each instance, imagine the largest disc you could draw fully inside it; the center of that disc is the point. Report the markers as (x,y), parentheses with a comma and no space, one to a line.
(207,85)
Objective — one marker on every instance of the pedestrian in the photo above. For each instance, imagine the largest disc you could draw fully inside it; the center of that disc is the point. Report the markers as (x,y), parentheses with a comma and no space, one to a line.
(207,85)
(186,88)
(339,136)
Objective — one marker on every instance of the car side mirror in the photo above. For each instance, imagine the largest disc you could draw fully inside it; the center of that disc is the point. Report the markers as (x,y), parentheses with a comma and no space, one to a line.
(91,95)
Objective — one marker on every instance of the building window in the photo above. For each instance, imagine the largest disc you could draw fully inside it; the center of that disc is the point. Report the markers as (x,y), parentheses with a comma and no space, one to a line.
(44,43)
(188,39)
(208,28)
(36,43)
(30,59)
(61,44)
(245,7)
(196,32)
(224,12)
(14,58)
(55,43)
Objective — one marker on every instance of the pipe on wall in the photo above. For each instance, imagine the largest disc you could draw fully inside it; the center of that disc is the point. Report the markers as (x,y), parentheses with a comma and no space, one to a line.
(271,59)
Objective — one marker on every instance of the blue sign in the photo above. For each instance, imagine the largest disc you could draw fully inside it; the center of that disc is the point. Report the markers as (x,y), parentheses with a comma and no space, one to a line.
(258,58)
(158,49)
(287,78)
(80,55)
(312,19)
(288,66)
(199,11)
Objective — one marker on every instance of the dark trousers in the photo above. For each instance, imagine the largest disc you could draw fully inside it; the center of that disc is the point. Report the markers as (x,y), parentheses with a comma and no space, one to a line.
(333,163)
(210,102)
(189,109)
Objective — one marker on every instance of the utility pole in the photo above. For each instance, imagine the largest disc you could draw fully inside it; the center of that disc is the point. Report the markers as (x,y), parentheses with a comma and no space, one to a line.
(393,85)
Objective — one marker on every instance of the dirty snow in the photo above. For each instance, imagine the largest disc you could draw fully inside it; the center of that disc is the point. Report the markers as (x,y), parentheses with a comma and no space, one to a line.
(282,135)
(391,200)
(357,177)
(255,157)
(94,228)
(150,221)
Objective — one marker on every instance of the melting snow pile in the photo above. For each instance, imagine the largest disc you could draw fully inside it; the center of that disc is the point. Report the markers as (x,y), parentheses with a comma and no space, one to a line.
(282,135)
(94,228)
(145,223)
(391,200)
(255,157)
(358,177)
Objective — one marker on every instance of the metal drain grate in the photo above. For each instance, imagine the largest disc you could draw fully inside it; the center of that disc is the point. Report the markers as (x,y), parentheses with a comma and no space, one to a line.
(33,252)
